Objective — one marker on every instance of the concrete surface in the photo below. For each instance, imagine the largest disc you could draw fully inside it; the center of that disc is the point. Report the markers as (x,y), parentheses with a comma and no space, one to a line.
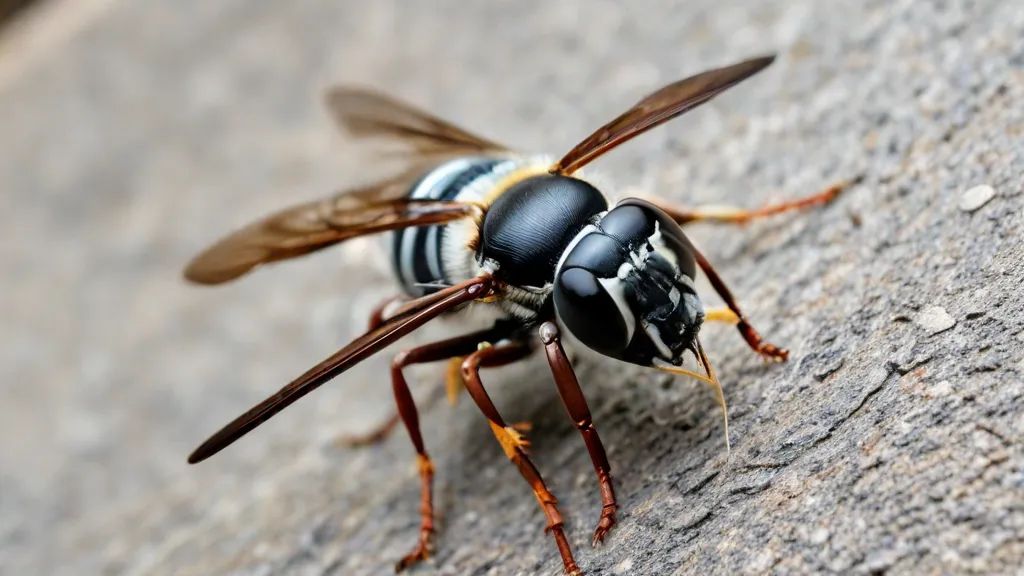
(135,136)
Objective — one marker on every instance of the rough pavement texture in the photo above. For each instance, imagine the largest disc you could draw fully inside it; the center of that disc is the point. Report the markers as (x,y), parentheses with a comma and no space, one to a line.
(884,445)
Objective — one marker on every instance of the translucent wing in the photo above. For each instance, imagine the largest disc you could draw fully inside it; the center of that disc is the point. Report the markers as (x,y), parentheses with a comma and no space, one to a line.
(314,225)
(660,107)
(414,316)
(365,113)
(383,206)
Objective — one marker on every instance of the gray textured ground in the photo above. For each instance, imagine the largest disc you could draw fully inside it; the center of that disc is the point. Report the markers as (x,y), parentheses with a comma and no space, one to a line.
(888,444)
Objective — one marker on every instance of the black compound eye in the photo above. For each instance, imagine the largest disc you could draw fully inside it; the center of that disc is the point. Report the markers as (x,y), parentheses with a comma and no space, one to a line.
(633,221)
(631,225)
(590,313)
(600,254)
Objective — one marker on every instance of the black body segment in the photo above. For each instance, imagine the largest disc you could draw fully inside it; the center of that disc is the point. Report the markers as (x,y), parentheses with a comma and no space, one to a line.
(530,225)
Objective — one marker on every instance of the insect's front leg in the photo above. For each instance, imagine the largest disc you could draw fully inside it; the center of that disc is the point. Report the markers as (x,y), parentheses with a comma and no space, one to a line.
(576,405)
(752,337)
(513,444)
(738,215)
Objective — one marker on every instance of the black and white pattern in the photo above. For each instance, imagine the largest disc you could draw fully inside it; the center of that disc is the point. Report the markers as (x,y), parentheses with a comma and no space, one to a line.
(421,261)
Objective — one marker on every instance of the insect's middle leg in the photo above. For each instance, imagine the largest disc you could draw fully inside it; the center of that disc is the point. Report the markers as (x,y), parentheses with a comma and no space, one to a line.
(409,415)
(738,215)
(576,405)
(513,444)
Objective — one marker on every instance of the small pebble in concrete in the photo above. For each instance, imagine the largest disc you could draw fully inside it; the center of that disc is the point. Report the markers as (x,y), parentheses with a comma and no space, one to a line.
(624,567)
(976,197)
(935,319)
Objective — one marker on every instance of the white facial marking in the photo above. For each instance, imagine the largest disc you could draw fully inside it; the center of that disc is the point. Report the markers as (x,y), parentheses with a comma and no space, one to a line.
(655,336)
(613,286)
(661,248)
(624,270)
(637,261)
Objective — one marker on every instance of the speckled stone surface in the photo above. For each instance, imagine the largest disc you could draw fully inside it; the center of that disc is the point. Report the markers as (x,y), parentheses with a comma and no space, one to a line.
(142,134)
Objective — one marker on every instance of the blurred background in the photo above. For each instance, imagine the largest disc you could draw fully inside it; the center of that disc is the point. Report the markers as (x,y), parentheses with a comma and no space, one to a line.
(134,133)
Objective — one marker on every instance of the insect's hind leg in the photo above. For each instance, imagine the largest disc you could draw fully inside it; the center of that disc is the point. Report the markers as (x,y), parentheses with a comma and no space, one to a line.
(738,215)
(382,431)
(512,442)
(379,313)
(409,415)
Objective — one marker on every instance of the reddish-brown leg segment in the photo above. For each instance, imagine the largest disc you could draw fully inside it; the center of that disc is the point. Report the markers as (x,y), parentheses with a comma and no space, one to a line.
(375,435)
(383,430)
(737,215)
(377,314)
(753,338)
(513,443)
(576,405)
(407,411)
(380,432)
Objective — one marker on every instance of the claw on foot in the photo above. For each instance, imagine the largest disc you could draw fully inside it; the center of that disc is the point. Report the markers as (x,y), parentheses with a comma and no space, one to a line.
(773,353)
(419,554)
(604,525)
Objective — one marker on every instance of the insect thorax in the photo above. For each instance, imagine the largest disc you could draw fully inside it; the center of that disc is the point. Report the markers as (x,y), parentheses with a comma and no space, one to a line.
(531,218)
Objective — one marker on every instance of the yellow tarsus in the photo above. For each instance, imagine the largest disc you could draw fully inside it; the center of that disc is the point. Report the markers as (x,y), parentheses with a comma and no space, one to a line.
(453,383)
(722,314)
(510,439)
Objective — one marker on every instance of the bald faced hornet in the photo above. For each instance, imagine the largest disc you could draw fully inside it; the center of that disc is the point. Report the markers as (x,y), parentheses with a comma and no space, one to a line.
(476,223)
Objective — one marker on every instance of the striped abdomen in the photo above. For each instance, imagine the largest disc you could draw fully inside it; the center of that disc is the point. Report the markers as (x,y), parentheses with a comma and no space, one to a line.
(429,257)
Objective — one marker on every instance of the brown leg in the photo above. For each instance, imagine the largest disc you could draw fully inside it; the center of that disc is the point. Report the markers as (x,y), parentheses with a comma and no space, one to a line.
(377,314)
(576,405)
(754,340)
(381,431)
(513,443)
(375,435)
(452,388)
(737,215)
(409,415)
